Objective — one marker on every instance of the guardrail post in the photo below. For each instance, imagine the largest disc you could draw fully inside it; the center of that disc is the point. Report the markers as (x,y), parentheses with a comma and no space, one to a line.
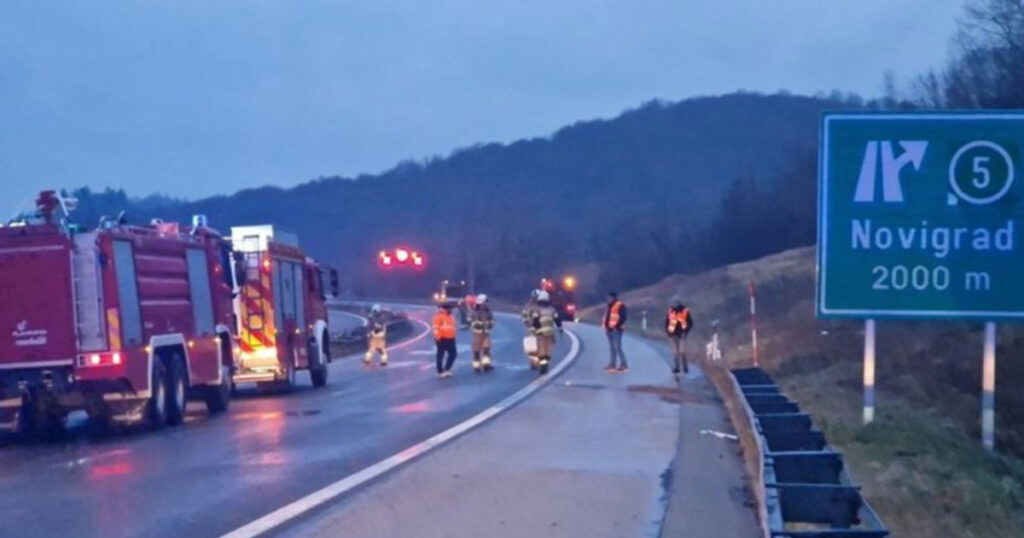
(869,371)
(988,388)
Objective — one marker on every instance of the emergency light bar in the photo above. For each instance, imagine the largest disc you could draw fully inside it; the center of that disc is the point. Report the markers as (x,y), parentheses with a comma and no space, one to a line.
(401,256)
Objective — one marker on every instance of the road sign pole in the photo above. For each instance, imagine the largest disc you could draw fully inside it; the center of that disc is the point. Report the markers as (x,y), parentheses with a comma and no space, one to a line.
(988,388)
(869,371)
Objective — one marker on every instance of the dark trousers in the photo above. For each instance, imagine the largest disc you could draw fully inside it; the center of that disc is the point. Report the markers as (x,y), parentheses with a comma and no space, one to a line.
(678,344)
(445,346)
(615,349)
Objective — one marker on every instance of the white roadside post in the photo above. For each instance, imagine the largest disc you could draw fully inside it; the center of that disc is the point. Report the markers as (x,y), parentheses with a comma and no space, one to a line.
(988,388)
(753,323)
(869,371)
(643,322)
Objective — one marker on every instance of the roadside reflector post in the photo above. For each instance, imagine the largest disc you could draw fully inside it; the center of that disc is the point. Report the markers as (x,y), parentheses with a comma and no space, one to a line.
(753,322)
(869,371)
(988,388)
(643,321)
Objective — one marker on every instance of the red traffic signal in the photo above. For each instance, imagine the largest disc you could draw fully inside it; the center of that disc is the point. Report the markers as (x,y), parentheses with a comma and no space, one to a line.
(401,256)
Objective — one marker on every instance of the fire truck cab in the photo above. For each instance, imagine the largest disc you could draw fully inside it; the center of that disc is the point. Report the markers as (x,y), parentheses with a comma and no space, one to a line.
(124,322)
(281,309)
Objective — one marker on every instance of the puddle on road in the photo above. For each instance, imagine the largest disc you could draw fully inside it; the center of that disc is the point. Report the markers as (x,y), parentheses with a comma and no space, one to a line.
(666,394)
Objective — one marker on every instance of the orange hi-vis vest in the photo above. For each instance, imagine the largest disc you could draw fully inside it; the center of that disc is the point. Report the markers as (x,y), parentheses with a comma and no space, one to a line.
(678,319)
(444,326)
(614,314)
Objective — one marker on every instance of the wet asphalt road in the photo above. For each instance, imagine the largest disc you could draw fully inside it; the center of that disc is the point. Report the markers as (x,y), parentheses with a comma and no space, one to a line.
(215,474)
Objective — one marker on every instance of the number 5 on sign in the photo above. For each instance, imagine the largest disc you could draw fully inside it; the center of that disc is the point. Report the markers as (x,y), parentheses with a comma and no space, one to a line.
(981,168)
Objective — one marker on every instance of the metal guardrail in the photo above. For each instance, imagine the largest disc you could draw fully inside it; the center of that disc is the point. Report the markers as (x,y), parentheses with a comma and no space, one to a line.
(359,334)
(807,492)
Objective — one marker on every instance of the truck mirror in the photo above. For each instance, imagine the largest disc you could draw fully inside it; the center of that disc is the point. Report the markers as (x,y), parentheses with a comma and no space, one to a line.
(334,282)
(238,264)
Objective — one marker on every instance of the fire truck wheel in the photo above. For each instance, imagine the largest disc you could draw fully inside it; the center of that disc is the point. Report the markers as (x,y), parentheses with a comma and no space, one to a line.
(218,397)
(318,368)
(318,375)
(39,420)
(156,407)
(176,391)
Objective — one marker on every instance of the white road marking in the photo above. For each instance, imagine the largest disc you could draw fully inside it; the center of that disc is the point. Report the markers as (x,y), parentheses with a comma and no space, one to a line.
(362,320)
(327,493)
(417,338)
(720,435)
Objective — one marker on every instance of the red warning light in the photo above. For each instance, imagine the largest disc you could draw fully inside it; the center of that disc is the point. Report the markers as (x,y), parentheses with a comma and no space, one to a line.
(401,256)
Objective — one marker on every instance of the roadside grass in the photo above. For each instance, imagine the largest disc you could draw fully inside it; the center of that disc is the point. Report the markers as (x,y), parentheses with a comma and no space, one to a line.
(921,472)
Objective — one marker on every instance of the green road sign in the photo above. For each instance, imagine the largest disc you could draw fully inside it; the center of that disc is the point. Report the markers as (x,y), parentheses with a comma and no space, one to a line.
(920,215)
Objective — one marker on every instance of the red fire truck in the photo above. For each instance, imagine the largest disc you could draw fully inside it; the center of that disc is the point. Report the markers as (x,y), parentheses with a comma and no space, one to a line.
(124,322)
(281,310)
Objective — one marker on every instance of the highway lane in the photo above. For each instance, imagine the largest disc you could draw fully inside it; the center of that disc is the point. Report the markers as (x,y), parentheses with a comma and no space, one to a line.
(216,474)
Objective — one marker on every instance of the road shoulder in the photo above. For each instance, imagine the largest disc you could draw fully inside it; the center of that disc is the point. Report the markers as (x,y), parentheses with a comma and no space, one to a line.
(710,496)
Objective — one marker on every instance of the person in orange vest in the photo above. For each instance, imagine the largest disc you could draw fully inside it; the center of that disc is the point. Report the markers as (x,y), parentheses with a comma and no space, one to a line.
(614,324)
(444,337)
(678,323)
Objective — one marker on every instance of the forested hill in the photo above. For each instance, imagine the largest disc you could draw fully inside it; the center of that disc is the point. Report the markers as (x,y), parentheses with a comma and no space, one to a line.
(624,201)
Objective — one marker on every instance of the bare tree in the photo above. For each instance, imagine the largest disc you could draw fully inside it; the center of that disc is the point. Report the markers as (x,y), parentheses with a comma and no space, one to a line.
(987,66)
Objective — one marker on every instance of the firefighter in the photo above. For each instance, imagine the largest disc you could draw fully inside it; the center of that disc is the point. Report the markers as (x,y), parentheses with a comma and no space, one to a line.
(527,316)
(444,337)
(614,323)
(678,323)
(545,321)
(481,321)
(377,339)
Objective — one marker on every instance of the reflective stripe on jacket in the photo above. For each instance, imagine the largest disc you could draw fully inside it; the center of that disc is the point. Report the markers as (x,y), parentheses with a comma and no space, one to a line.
(444,326)
(481,319)
(545,320)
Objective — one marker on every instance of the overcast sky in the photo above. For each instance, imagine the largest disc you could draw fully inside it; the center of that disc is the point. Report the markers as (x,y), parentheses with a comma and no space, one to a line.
(193,97)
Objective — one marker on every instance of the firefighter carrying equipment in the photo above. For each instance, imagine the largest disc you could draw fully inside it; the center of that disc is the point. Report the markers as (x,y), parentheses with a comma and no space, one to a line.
(615,316)
(444,325)
(482,322)
(544,319)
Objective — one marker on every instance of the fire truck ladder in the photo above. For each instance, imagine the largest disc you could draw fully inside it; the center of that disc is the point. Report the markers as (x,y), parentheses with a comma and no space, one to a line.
(85,276)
